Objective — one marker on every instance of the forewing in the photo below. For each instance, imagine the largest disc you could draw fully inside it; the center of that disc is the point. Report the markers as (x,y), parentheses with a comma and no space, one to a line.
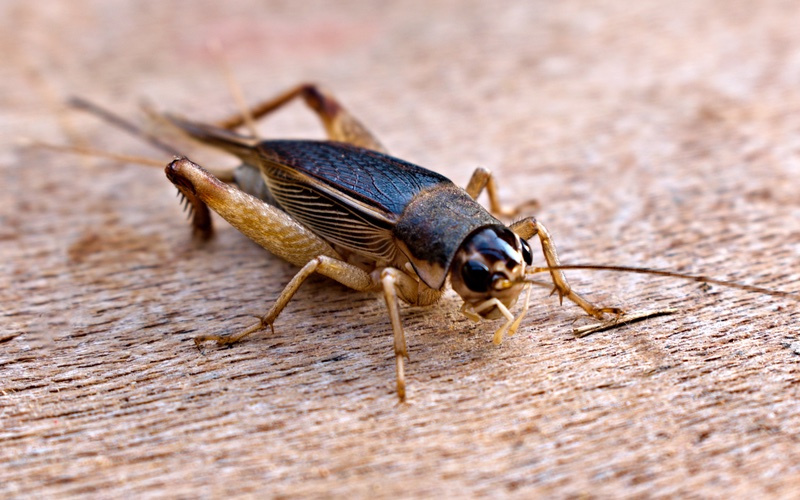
(350,196)
(358,231)
(374,179)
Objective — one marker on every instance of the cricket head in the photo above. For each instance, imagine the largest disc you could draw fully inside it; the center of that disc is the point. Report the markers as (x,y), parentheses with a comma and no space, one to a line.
(488,268)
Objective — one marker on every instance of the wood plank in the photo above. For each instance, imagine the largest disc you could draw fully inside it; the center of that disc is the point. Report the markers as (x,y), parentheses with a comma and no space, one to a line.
(661,135)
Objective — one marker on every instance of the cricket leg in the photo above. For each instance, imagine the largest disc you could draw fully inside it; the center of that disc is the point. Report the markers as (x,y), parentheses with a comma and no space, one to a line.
(339,124)
(198,211)
(202,227)
(395,281)
(482,179)
(527,229)
(346,274)
(392,281)
(265,224)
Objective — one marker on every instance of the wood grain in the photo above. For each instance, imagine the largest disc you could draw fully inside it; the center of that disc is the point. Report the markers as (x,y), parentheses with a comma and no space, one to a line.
(658,135)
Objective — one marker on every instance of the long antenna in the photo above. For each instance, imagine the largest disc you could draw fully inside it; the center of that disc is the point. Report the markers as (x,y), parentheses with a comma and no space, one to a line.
(97,153)
(121,123)
(668,274)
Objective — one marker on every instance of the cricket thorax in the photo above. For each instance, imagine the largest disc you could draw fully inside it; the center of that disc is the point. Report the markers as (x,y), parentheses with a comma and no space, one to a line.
(434,226)
(490,264)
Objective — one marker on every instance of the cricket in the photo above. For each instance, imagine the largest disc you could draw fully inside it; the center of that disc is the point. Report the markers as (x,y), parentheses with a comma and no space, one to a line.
(345,209)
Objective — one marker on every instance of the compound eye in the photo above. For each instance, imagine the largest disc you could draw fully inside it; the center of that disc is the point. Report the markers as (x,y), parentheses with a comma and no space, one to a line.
(526,252)
(476,276)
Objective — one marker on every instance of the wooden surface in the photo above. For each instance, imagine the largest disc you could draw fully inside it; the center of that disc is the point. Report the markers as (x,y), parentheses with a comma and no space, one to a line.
(654,134)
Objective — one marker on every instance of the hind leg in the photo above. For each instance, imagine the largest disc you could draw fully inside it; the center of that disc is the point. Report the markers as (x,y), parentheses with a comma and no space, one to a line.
(339,124)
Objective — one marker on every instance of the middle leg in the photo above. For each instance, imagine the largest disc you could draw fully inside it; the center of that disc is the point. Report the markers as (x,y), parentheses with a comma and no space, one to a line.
(346,274)
(482,179)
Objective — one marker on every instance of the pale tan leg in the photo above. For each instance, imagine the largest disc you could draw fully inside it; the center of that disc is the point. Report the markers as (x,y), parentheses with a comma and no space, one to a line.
(346,274)
(268,226)
(397,284)
(201,218)
(515,325)
(527,229)
(389,279)
(488,304)
(482,179)
(339,124)
(511,325)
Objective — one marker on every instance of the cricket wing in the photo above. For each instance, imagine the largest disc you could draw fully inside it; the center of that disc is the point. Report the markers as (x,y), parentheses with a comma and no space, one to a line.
(350,196)
(373,179)
(363,232)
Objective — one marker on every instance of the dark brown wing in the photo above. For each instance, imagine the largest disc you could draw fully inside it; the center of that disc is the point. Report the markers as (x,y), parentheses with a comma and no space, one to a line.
(377,180)
(367,202)
(362,232)
(350,196)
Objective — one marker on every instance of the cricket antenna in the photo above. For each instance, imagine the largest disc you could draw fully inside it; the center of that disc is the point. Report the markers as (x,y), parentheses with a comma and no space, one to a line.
(114,119)
(667,274)
(80,150)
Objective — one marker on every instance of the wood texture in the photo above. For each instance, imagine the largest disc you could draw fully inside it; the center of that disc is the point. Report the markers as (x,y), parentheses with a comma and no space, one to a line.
(655,134)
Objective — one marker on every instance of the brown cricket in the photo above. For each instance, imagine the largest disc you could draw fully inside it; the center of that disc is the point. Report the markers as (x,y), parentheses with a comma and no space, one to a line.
(347,210)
